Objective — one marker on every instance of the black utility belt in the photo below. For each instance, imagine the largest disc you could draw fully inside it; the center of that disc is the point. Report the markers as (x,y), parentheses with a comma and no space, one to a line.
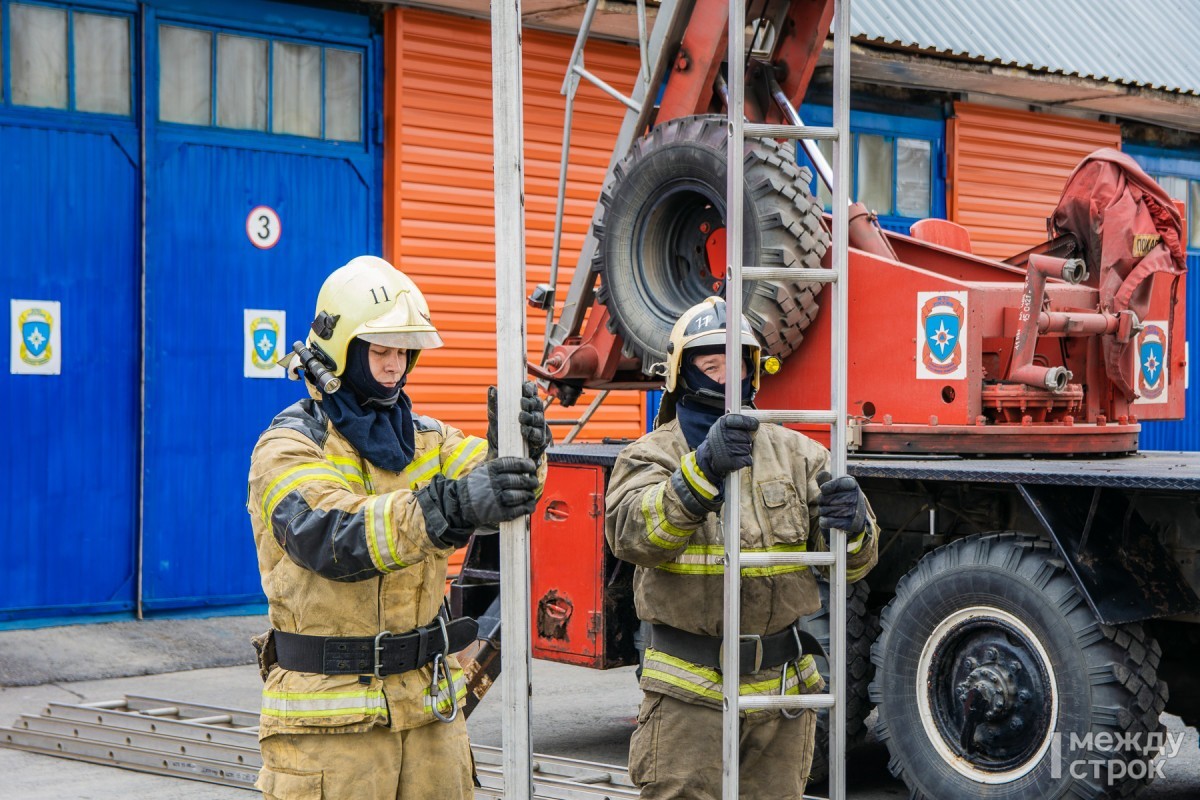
(756,652)
(380,655)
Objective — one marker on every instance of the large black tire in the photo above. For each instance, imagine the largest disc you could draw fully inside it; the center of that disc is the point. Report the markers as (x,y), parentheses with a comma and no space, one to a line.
(665,199)
(862,628)
(988,642)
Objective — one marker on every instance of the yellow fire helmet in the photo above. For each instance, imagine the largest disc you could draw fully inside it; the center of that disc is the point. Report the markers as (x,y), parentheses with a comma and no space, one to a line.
(703,325)
(370,299)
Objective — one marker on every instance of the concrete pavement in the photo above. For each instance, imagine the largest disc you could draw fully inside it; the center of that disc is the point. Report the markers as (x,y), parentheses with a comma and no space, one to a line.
(577,713)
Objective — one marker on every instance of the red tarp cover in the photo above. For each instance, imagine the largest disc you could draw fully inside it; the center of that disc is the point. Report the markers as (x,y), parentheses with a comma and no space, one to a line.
(1129,229)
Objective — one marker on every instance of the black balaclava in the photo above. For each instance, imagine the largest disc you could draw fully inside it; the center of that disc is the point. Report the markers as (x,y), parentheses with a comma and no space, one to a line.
(702,400)
(375,419)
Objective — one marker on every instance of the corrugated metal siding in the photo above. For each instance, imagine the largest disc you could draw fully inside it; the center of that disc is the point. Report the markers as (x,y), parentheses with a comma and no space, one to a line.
(1007,169)
(1142,42)
(1183,434)
(439,195)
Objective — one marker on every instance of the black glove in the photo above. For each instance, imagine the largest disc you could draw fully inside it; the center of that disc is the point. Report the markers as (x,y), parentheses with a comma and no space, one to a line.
(496,491)
(727,446)
(842,504)
(532,418)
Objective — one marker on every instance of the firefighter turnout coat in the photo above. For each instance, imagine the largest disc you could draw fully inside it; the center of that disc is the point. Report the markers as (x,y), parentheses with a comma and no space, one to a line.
(656,523)
(342,551)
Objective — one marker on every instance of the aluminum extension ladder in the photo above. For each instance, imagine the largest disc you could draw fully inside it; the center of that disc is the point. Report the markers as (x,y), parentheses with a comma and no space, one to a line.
(739,129)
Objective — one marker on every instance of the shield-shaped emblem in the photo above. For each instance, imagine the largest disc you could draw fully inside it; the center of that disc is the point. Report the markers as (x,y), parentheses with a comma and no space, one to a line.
(266,339)
(941,335)
(1150,356)
(36,335)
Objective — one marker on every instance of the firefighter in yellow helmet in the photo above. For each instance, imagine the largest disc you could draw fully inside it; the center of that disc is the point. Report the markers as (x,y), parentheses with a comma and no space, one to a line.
(664,500)
(357,503)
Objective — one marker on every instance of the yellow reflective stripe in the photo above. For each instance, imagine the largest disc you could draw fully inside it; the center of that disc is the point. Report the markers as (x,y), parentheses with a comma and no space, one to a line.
(855,544)
(323,704)
(696,477)
(349,468)
(420,469)
(705,682)
(291,478)
(462,455)
(652,512)
(709,559)
(379,534)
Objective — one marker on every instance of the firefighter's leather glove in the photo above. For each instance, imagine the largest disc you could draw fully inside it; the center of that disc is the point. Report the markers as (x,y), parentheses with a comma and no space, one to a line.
(497,491)
(532,419)
(727,446)
(842,504)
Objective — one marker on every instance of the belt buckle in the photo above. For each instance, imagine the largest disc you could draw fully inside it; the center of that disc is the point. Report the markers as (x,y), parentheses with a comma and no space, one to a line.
(758,651)
(378,671)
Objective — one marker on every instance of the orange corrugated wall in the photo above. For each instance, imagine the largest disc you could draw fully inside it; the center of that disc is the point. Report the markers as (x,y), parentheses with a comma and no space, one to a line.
(1007,169)
(438,201)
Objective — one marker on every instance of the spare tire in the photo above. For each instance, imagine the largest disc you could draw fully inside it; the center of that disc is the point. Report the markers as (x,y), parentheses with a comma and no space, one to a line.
(665,201)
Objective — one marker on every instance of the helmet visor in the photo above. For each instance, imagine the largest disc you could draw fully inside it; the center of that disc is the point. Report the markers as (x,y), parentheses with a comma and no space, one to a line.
(405,340)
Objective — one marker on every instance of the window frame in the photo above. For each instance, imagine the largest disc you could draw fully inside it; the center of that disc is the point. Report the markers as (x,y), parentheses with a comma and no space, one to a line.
(120,10)
(212,132)
(1159,161)
(894,127)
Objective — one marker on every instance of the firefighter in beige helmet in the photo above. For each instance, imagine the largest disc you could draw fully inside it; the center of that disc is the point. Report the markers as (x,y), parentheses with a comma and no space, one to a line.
(664,501)
(357,502)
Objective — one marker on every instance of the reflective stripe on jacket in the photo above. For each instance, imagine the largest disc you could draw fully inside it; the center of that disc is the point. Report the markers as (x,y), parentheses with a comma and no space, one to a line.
(655,522)
(342,551)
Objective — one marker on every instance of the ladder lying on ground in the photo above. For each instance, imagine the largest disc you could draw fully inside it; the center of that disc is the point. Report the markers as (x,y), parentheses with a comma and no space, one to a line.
(220,745)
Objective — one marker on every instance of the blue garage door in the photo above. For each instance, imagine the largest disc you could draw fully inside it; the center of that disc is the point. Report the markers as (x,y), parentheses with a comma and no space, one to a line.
(262,178)
(69,200)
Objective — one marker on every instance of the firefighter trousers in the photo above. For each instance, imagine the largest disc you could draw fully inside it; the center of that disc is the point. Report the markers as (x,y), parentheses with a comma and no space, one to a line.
(675,753)
(432,762)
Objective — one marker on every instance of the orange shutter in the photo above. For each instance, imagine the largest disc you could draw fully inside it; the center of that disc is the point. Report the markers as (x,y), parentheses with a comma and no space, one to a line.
(438,222)
(1007,169)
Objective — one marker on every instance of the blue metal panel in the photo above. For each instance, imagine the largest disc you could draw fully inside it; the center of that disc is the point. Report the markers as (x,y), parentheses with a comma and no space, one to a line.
(1181,434)
(68,232)
(653,401)
(202,416)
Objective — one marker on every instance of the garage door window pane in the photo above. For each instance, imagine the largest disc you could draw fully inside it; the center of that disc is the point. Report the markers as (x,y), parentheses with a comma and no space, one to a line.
(241,83)
(102,64)
(185,81)
(1175,186)
(912,177)
(875,172)
(296,90)
(343,95)
(39,56)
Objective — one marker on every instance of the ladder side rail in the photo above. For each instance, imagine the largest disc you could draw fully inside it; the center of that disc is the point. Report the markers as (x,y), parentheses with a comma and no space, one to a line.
(731,512)
(837,393)
(569,87)
(509,167)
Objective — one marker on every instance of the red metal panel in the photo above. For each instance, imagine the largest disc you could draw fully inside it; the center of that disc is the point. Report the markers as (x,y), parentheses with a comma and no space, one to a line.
(567,567)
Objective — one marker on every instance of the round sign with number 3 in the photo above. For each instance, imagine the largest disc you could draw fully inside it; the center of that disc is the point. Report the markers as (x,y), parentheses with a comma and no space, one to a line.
(262,227)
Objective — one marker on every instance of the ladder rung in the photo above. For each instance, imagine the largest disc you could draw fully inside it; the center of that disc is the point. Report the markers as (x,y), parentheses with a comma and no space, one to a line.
(776,701)
(813,559)
(798,416)
(562,422)
(761,131)
(788,274)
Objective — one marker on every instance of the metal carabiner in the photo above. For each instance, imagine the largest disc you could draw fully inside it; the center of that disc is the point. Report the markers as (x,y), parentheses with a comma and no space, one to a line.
(440,665)
(787,712)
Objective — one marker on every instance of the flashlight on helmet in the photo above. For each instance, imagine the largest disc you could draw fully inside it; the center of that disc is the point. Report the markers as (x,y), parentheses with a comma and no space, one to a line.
(326,381)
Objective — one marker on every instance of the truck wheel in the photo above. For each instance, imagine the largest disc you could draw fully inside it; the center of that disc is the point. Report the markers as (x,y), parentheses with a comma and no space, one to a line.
(995,680)
(664,211)
(862,627)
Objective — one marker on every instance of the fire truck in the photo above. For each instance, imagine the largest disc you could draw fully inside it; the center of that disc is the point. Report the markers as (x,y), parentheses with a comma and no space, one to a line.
(1035,602)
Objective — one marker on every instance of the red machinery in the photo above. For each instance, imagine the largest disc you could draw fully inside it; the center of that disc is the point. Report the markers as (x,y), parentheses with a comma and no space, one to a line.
(1061,350)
